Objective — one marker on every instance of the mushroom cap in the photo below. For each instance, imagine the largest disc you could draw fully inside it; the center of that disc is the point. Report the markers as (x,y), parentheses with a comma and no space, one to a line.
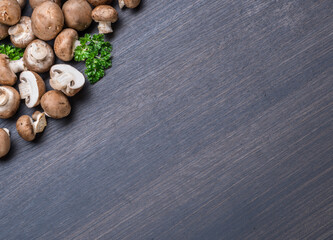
(7,76)
(55,104)
(67,79)
(132,3)
(25,128)
(10,12)
(21,34)
(38,56)
(22,3)
(4,142)
(3,31)
(104,13)
(96,3)
(64,44)
(9,101)
(35,3)
(32,88)
(77,14)
(47,20)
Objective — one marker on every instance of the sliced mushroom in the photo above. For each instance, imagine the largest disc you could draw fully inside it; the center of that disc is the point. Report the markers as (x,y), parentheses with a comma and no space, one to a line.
(47,20)
(104,15)
(4,142)
(65,44)
(96,3)
(9,101)
(10,12)
(67,79)
(21,34)
(8,69)
(35,3)
(129,3)
(55,104)
(22,3)
(77,14)
(27,128)
(3,31)
(38,56)
(31,88)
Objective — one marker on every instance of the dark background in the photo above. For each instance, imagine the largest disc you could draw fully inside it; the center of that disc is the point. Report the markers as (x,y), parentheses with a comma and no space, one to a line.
(215,122)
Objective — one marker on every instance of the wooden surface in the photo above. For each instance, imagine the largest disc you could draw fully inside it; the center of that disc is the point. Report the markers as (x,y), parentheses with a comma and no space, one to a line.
(215,122)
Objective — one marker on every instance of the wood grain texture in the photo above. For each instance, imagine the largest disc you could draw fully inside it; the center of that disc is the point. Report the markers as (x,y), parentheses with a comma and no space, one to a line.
(215,122)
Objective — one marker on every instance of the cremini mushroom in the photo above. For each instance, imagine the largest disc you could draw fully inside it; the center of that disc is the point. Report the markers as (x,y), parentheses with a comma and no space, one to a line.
(47,20)
(3,31)
(129,3)
(21,34)
(77,14)
(31,88)
(66,78)
(104,15)
(10,12)
(38,56)
(8,69)
(35,3)
(65,44)
(4,142)
(22,3)
(28,127)
(96,3)
(9,101)
(55,104)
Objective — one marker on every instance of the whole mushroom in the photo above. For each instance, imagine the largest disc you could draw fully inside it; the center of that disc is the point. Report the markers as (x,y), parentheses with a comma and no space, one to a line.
(104,15)
(96,3)
(10,12)
(21,34)
(47,20)
(4,142)
(9,101)
(31,88)
(38,56)
(55,104)
(27,128)
(35,3)
(8,69)
(67,79)
(65,44)
(129,3)
(3,31)
(77,14)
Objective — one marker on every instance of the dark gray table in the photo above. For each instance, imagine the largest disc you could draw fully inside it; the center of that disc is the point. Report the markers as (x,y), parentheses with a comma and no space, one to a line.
(215,122)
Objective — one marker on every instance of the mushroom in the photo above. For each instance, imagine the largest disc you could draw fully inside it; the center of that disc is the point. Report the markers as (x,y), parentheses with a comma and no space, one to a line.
(104,15)
(28,127)
(77,14)
(22,3)
(55,104)
(31,88)
(35,3)
(65,44)
(10,12)
(67,79)
(4,142)
(8,69)
(96,3)
(21,34)
(129,3)
(3,31)
(47,20)
(9,101)
(38,56)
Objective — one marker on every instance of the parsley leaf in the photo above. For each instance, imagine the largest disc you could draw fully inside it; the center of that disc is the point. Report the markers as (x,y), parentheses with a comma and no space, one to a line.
(13,53)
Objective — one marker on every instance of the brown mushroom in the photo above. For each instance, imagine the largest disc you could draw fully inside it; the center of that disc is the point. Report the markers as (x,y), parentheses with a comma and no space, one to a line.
(77,14)
(129,3)
(104,15)
(55,104)
(32,88)
(27,128)
(96,3)
(47,21)
(35,3)
(9,101)
(3,31)
(10,12)
(4,142)
(65,44)
(21,34)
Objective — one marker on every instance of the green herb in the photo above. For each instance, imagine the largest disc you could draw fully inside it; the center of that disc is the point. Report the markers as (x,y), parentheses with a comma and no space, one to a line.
(97,54)
(13,53)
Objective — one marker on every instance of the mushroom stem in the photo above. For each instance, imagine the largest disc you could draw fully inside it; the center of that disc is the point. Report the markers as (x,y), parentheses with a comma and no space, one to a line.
(63,78)
(7,131)
(104,27)
(3,98)
(121,3)
(39,53)
(17,65)
(17,29)
(24,90)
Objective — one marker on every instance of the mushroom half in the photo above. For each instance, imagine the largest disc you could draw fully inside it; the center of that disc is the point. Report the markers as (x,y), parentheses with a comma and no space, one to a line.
(32,88)
(67,79)
(27,128)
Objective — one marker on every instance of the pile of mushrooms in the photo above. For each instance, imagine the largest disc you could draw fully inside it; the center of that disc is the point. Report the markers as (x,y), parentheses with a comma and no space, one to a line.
(49,20)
